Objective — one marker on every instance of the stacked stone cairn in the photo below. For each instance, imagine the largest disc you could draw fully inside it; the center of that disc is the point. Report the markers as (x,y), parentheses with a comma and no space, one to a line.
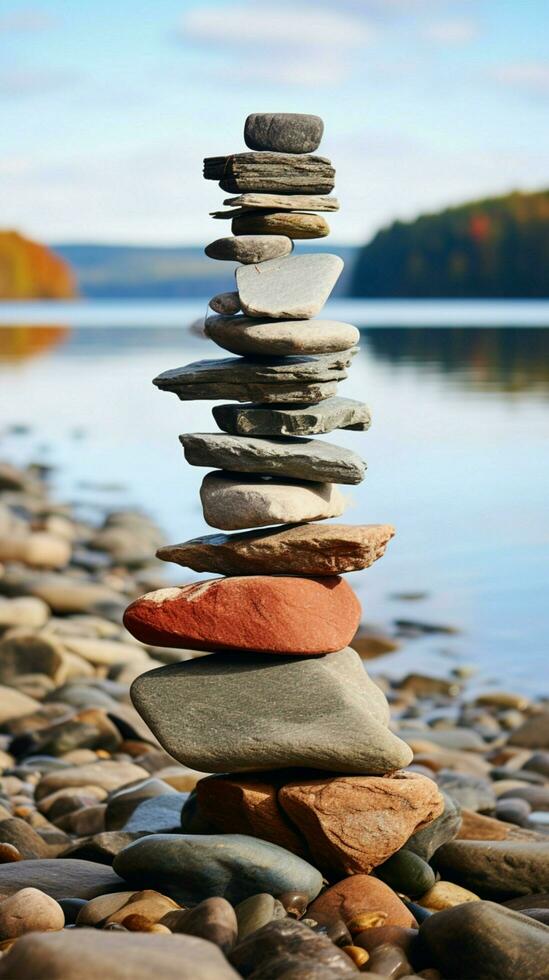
(305,783)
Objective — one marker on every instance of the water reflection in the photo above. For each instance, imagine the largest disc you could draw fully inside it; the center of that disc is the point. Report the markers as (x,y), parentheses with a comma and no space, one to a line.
(511,359)
(20,342)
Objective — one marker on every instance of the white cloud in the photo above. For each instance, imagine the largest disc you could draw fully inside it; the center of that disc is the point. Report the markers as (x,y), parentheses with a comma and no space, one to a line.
(527,76)
(297,24)
(451,31)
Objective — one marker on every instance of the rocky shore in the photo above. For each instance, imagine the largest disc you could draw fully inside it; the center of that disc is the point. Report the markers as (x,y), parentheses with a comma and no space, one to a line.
(203,781)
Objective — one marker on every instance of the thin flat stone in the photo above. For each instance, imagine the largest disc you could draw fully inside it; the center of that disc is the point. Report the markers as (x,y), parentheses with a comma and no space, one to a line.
(276,712)
(295,287)
(271,172)
(291,420)
(232,502)
(294,224)
(290,379)
(250,248)
(284,202)
(309,549)
(282,338)
(300,459)
(284,132)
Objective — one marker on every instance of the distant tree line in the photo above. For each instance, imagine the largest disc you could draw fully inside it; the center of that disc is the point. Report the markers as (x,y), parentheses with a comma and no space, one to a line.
(32,271)
(498,247)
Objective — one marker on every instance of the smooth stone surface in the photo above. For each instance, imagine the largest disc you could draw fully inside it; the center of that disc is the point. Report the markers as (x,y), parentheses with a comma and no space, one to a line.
(288,949)
(294,224)
(304,379)
(29,910)
(124,801)
(295,287)
(284,202)
(255,912)
(107,774)
(310,549)
(249,248)
(225,303)
(495,869)
(191,867)
(59,879)
(283,132)
(407,874)
(318,712)
(440,831)
(271,172)
(85,954)
(445,895)
(159,815)
(472,792)
(233,502)
(534,733)
(276,614)
(245,335)
(483,941)
(357,895)
(213,919)
(354,823)
(300,459)
(292,420)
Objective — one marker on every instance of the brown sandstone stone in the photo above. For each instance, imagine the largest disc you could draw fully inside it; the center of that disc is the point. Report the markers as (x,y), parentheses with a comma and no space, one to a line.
(361,894)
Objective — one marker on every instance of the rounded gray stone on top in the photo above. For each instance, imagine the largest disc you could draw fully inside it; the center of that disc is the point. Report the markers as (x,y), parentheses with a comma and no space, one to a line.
(283,132)
(249,249)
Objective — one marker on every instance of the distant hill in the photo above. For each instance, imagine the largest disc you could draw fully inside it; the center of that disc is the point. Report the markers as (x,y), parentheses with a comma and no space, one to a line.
(148,272)
(32,271)
(494,248)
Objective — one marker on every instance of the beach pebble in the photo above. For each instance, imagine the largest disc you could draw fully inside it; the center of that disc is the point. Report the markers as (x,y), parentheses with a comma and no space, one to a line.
(294,224)
(495,869)
(364,902)
(255,912)
(233,502)
(294,287)
(38,550)
(513,810)
(15,704)
(106,774)
(286,948)
(79,879)
(444,828)
(534,733)
(23,611)
(262,710)
(280,338)
(151,904)
(192,867)
(29,910)
(213,919)
(122,802)
(225,303)
(159,815)
(283,132)
(444,895)
(277,614)
(407,873)
(249,249)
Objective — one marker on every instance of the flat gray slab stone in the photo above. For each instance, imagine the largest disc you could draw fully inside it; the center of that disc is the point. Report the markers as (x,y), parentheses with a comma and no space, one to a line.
(284,202)
(295,287)
(301,459)
(289,379)
(288,420)
(283,132)
(249,248)
(261,337)
(273,712)
(273,173)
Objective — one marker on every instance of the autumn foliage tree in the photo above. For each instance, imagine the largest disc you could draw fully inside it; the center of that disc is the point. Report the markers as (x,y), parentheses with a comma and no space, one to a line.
(32,271)
(494,248)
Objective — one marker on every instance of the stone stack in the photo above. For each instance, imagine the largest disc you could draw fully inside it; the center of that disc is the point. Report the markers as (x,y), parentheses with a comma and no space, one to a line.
(281,709)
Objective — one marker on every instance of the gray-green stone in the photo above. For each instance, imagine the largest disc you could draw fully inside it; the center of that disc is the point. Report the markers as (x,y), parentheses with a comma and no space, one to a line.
(301,459)
(495,869)
(291,420)
(191,867)
(440,831)
(256,911)
(235,713)
(407,874)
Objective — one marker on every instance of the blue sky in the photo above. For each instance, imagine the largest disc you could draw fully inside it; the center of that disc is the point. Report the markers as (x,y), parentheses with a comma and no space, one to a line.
(107,107)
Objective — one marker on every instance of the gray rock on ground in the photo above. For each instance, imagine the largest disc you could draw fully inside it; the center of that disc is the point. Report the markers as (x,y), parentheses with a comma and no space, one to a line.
(278,712)
(295,287)
(305,549)
(300,459)
(495,869)
(246,335)
(273,173)
(283,132)
(250,248)
(232,502)
(293,420)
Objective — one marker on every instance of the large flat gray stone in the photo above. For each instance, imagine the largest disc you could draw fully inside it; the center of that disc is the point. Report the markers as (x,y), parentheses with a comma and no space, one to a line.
(273,173)
(300,459)
(284,420)
(192,867)
(246,335)
(302,549)
(234,713)
(283,132)
(294,287)
(291,379)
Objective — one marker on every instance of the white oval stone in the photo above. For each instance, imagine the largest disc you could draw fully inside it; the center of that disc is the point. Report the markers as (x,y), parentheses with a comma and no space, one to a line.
(233,502)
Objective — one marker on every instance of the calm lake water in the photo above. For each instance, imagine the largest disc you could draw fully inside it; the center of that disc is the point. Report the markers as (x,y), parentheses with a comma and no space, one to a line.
(457,455)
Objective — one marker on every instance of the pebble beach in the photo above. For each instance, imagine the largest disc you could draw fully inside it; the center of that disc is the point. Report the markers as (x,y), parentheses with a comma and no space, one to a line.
(217,779)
